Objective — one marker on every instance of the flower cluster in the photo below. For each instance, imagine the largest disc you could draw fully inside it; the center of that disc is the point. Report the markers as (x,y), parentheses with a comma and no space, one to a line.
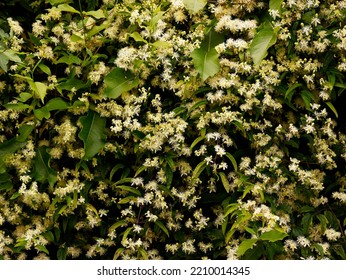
(147,129)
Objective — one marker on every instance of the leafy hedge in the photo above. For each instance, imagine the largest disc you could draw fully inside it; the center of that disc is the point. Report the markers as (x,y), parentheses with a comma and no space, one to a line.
(172,129)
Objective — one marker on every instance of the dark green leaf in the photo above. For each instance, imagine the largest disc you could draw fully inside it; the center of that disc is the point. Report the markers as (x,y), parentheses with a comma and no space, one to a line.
(42,171)
(162,227)
(56,104)
(24,132)
(331,106)
(93,133)
(273,235)
(119,81)
(42,113)
(62,253)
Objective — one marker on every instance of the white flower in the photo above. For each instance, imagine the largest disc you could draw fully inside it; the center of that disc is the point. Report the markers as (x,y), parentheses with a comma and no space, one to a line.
(303,242)
(332,234)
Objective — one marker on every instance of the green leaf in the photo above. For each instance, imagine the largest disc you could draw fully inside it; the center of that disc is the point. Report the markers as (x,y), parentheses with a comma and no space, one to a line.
(67,8)
(24,96)
(72,84)
(140,170)
(263,40)
(324,221)
(290,91)
(62,253)
(40,89)
(17,106)
(118,252)
(143,253)
(96,29)
(331,106)
(273,235)
(42,113)
(7,148)
(337,248)
(119,81)
(246,245)
(93,133)
(169,175)
(116,225)
(6,56)
(45,69)
(162,44)
(206,58)
(137,37)
(24,132)
(233,161)
(3,62)
(275,5)
(224,181)
(56,104)
(42,171)
(198,104)
(129,189)
(69,59)
(162,227)
(231,208)
(127,199)
(194,6)
(198,139)
(5,182)
(115,169)
(96,14)
(126,233)
(42,248)
(198,170)
(15,195)
(57,2)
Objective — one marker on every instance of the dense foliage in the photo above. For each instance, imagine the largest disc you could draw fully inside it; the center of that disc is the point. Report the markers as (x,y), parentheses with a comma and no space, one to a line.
(172,129)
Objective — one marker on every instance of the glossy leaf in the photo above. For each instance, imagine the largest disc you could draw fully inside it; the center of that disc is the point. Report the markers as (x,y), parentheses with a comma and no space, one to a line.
(42,171)
(245,245)
(263,40)
(273,235)
(206,58)
(119,81)
(56,104)
(93,133)
(275,5)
